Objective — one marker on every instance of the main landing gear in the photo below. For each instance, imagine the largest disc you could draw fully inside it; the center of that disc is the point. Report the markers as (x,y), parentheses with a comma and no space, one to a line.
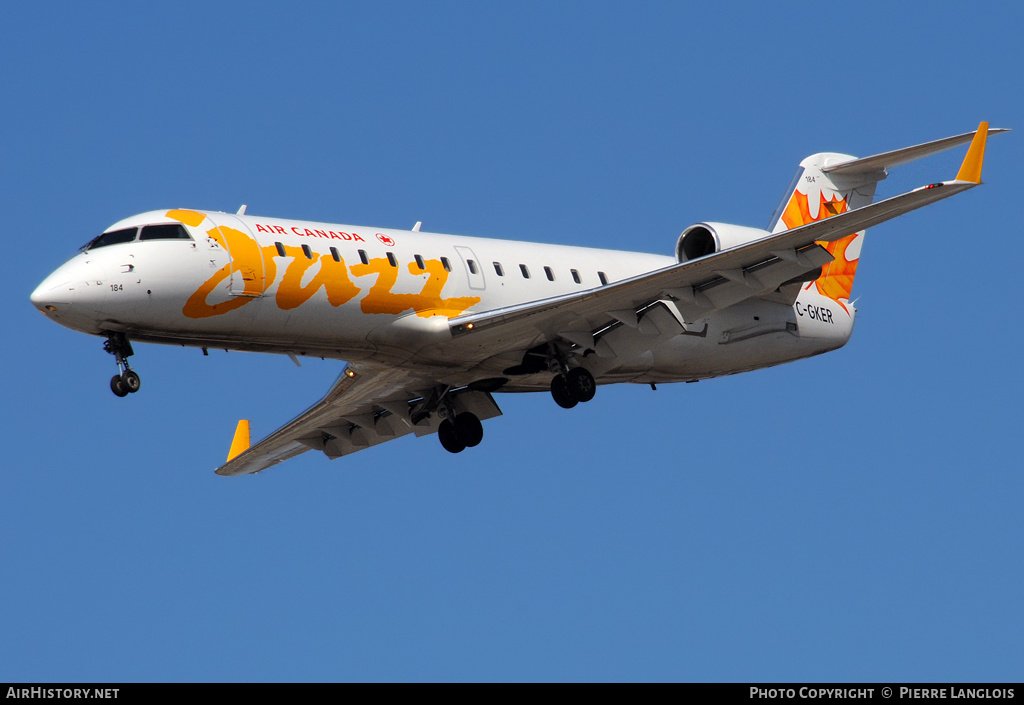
(575,386)
(128,380)
(457,430)
(464,432)
(569,387)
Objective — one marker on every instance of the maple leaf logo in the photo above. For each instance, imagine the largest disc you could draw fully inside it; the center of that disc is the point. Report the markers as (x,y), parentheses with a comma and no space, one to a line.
(836,280)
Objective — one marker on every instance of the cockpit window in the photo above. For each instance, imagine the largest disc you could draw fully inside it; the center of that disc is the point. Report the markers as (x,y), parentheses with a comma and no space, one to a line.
(114,237)
(168,231)
(165,231)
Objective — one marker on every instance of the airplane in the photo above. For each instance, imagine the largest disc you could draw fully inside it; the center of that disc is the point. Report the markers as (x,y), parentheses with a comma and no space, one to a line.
(432,326)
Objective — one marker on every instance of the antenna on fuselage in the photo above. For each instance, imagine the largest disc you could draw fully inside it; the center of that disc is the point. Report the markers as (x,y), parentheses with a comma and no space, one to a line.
(416,228)
(241,210)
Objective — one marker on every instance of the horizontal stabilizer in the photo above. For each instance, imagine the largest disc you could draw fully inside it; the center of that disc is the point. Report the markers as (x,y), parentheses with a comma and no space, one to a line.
(887,160)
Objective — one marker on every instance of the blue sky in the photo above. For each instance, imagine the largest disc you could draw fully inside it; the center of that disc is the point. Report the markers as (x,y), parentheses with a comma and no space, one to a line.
(853,517)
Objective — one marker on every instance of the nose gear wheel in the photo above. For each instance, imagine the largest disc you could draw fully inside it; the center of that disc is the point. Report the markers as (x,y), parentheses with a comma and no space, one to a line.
(117,386)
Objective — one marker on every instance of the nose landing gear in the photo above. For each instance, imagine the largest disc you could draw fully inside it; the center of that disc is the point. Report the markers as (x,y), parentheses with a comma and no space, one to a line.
(128,380)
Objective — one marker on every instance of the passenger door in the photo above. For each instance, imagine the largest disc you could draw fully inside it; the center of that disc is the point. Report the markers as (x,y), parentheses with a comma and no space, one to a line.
(248,272)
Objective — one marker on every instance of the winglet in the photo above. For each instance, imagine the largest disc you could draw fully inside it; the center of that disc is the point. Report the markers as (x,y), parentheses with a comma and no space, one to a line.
(240,444)
(970,170)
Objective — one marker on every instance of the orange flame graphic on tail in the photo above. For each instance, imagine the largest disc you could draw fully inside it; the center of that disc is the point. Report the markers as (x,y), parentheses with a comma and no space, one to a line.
(836,280)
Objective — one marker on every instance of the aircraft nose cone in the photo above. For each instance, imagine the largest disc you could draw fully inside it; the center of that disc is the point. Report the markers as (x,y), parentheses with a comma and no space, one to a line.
(66,298)
(39,298)
(54,292)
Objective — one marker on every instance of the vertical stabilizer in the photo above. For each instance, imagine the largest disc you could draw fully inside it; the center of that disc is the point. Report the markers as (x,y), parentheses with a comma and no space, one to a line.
(814,195)
(828,184)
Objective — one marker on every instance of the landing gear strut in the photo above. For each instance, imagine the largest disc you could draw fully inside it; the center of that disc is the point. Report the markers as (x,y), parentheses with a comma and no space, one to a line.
(128,380)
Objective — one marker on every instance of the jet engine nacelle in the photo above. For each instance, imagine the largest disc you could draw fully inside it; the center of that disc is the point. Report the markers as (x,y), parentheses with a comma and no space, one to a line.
(708,238)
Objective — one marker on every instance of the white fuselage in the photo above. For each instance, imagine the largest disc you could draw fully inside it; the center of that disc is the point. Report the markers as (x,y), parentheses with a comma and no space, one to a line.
(363,294)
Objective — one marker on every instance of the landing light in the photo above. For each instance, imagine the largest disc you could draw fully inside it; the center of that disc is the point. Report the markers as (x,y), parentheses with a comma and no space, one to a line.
(469,326)
(350,373)
(51,308)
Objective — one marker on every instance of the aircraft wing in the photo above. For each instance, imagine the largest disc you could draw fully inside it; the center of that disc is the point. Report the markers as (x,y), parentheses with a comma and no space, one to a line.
(366,406)
(700,286)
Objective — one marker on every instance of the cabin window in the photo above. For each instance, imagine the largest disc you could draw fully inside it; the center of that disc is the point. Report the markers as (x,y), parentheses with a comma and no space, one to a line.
(335,254)
(392,260)
(603,278)
(549,274)
(525,270)
(419,262)
(308,252)
(498,270)
(168,231)
(114,237)
(446,264)
(280,249)
(363,258)
(472,266)
(575,276)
